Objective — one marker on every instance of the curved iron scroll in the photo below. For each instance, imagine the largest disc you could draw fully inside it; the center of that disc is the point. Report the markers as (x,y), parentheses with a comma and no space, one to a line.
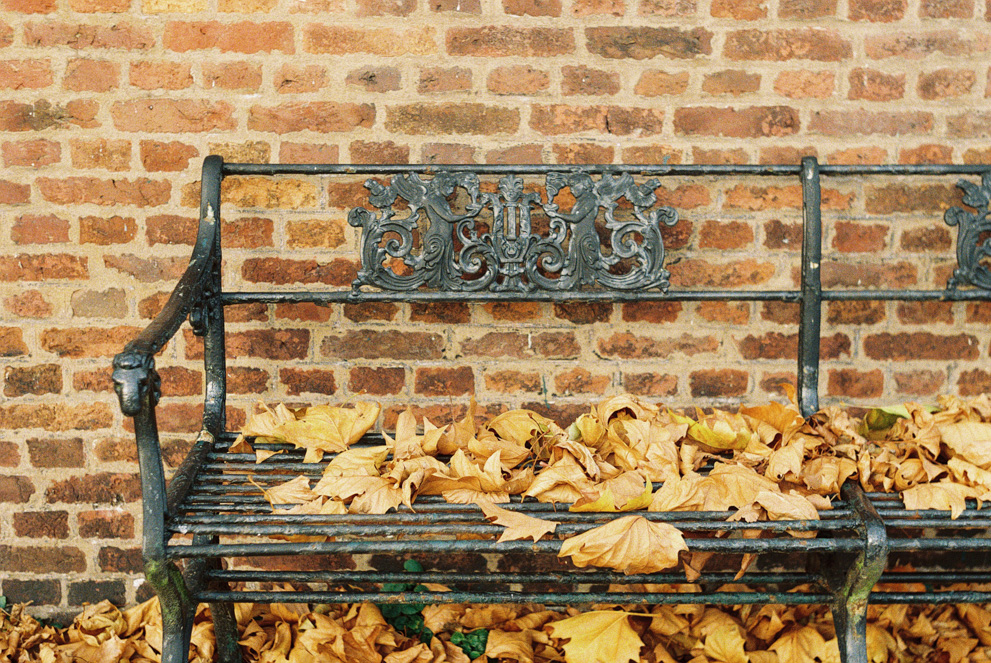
(488,241)
(973,236)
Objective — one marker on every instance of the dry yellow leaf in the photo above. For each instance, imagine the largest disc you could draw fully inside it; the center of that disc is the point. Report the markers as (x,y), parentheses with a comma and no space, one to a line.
(296,491)
(969,439)
(944,495)
(780,506)
(631,544)
(626,492)
(803,645)
(518,525)
(599,636)
(725,644)
(512,645)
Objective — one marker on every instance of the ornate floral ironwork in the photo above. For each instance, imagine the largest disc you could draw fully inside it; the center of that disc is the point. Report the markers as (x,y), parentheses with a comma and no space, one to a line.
(489,241)
(973,236)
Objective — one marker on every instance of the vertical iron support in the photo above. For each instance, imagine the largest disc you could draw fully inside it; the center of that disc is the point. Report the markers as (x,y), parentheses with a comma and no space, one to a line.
(811,303)
(214,351)
(851,577)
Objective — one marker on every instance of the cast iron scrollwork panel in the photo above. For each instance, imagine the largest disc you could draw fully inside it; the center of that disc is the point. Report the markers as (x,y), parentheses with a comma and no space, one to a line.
(973,235)
(491,242)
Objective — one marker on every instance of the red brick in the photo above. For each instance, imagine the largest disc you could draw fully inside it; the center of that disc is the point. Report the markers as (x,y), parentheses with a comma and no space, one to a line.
(511,382)
(25,74)
(859,155)
(31,6)
(246,380)
(370,311)
(110,303)
(27,304)
(532,7)
(513,311)
(12,342)
(457,381)
(845,275)
(587,81)
(121,560)
(444,79)
(160,75)
(741,10)
(15,489)
(377,381)
(556,345)
(453,118)
(918,45)
(106,488)
(161,156)
(82,75)
(945,83)
(386,7)
(247,233)
(655,83)
(28,559)
(583,313)
(32,229)
(775,345)
(926,154)
(969,125)
(704,274)
(848,123)
(582,153)
(98,380)
(179,381)
(44,267)
(652,312)
(56,452)
(855,313)
(6,35)
(42,524)
(787,44)
(441,313)
(281,271)
(497,344)
(726,235)
(94,6)
(852,383)
(173,115)
(241,37)
(877,11)
(650,384)
(241,76)
(731,81)
(807,9)
(447,153)
(35,592)
(873,85)
(974,382)
(854,237)
(643,43)
(87,341)
(920,382)
(505,41)
(926,239)
(390,344)
(716,383)
(9,454)
(375,79)
(626,345)
(343,40)
(804,84)
(33,153)
(305,153)
(947,9)
(668,8)
(905,346)
(309,381)
(598,7)
(903,198)
(559,119)
(171,229)
(517,79)
(276,344)
(106,525)
(733,313)
(517,154)
(580,381)
(925,313)
(79,35)
(100,153)
(750,122)
(37,380)
(321,116)
(147,270)
(384,152)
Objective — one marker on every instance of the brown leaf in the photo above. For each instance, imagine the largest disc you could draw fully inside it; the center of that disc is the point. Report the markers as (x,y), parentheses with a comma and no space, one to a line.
(518,525)
(631,544)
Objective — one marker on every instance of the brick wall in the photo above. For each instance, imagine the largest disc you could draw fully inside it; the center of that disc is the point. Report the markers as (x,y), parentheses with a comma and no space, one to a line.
(108,106)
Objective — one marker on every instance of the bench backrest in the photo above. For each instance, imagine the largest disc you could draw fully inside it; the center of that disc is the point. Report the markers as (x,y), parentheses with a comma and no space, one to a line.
(572,233)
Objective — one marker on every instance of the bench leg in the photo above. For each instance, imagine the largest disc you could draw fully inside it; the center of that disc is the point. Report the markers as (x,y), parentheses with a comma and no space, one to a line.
(850,620)
(177,606)
(225,630)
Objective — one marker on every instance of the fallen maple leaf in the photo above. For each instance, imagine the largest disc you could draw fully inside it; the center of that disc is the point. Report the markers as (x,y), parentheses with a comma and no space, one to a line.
(599,636)
(631,544)
(518,525)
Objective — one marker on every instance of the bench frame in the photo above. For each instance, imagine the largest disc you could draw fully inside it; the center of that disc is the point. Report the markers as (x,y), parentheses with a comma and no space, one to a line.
(851,567)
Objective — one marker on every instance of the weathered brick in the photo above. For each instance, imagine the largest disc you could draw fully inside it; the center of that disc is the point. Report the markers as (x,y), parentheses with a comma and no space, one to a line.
(852,383)
(716,383)
(37,559)
(556,119)
(389,344)
(925,154)
(281,271)
(517,154)
(246,380)
(855,313)
(945,83)
(447,153)
(704,274)
(170,229)
(925,313)
(787,44)
(37,380)
(241,37)
(904,198)
(497,344)
(240,76)
(370,311)
(804,84)
(35,592)
(583,313)
(10,456)
(147,270)
(106,524)
(105,487)
(874,85)
(33,153)
(276,344)
(511,382)
(43,267)
(969,125)
(556,345)
(444,79)
(98,380)
(731,81)
(457,381)
(329,233)
(775,345)
(179,381)
(307,153)
(583,80)
(94,591)
(454,118)
(741,10)
(920,382)
(854,237)
(307,381)
(517,79)
(36,229)
(643,43)
(599,7)
(42,524)
(173,115)
(26,304)
(25,74)
(668,8)
(576,153)
(344,40)
(384,152)
(656,385)
(386,7)
(304,311)
(100,153)
(750,122)
(877,11)
(16,489)
(733,313)
(160,75)
(918,44)
(655,83)
(869,154)
(87,341)
(904,346)
(31,6)
(375,79)
(120,560)
(118,35)
(807,9)
(861,121)
(946,8)
(875,275)
(532,7)
(580,381)
(626,345)
(377,381)
(505,41)
(322,116)
(726,235)
(652,312)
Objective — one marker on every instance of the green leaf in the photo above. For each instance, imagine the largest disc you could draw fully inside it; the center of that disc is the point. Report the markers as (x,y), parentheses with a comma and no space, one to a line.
(413,566)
